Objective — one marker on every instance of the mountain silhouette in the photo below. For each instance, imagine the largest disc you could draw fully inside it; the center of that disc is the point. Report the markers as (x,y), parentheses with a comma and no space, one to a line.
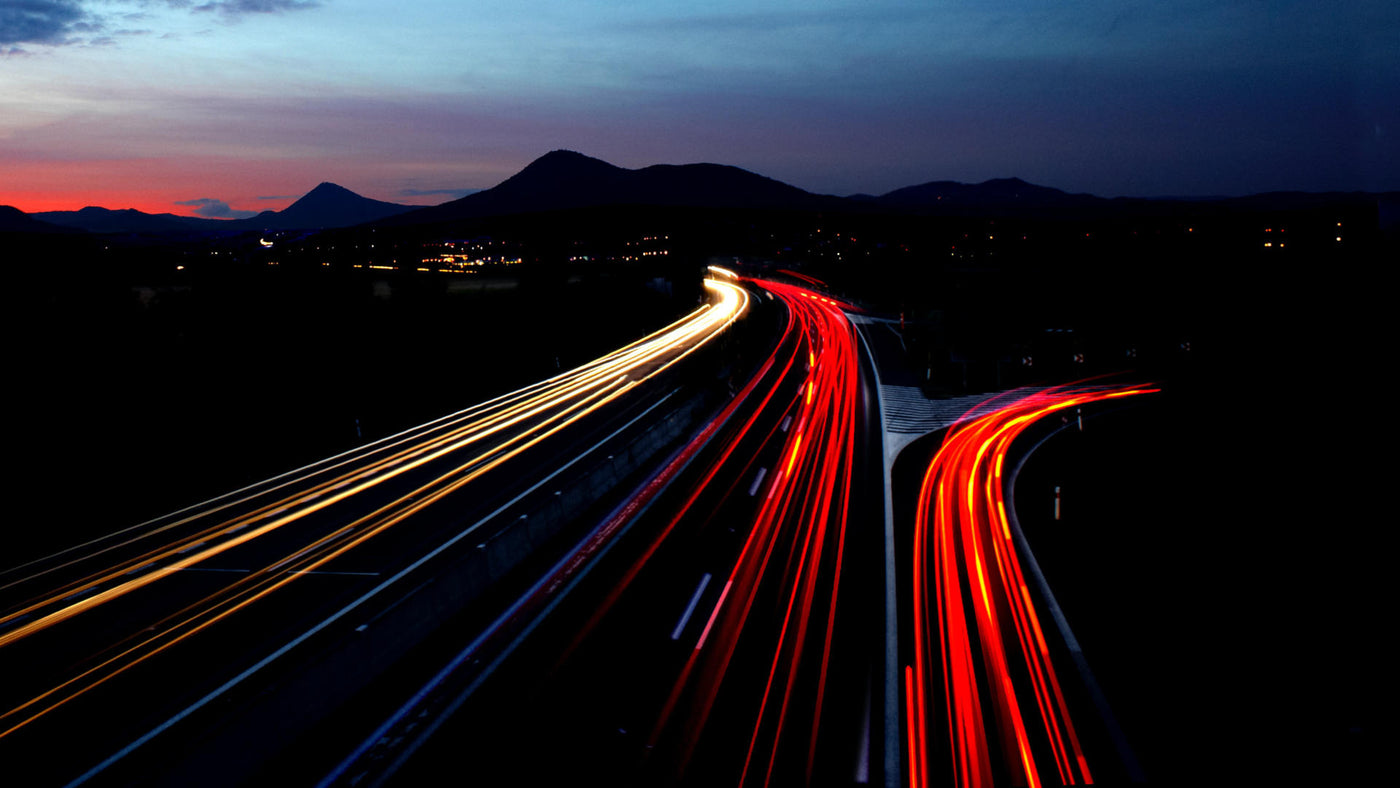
(326,206)
(13,220)
(996,194)
(564,179)
(127,220)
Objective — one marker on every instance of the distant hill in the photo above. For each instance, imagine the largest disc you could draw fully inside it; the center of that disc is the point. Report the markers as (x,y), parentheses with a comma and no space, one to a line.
(13,220)
(1000,195)
(1015,197)
(127,220)
(564,179)
(326,206)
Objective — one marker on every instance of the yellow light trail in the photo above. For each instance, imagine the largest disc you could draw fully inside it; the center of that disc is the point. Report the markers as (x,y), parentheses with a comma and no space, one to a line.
(538,412)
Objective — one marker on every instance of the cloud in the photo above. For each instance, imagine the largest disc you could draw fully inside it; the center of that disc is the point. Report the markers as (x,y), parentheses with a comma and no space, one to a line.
(211,208)
(277,196)
(62,22)
(39,21)
(235,8)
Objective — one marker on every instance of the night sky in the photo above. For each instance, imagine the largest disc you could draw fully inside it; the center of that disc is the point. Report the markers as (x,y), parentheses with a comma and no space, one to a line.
(228,107)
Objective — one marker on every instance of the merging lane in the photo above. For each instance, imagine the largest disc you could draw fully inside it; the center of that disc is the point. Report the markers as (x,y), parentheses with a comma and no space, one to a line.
(984,704)
(720,626)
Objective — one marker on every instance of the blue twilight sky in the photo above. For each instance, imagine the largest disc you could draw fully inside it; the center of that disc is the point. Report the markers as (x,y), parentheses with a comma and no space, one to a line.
(224,106)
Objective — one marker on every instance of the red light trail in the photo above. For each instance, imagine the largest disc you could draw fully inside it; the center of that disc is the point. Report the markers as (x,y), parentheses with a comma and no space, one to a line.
(797,540)
(979,649)
(764,653)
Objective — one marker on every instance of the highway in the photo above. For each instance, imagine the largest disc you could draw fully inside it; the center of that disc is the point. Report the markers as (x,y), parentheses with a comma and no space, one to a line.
(170,618)
(726,640)
(984,702)
(603,577)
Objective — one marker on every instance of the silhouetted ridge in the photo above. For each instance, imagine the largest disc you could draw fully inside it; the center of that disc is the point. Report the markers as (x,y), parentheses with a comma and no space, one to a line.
(328,205)
(564,165)
(557,179)
(993,192)
(562,180)
(13,220)
(127,220)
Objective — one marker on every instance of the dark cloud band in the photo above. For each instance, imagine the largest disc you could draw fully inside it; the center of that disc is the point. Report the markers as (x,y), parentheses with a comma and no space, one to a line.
(39,21)
(242,7)
(58,22)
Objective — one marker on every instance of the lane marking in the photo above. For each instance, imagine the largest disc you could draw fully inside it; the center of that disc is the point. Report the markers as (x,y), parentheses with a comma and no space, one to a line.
(368,595)
(757,480)
(466,653)
(286,561)
(79,594)
(17,621)
(690,608)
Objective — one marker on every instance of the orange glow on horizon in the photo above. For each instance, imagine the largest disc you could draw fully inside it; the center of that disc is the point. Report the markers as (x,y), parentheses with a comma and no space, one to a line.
(159,185)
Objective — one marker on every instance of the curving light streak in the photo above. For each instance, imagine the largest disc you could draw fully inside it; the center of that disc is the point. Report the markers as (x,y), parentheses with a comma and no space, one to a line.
(456,450)
(998,684)
(792,552)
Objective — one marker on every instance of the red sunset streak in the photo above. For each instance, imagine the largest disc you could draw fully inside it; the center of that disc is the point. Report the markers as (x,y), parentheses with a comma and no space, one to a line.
(979,648)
